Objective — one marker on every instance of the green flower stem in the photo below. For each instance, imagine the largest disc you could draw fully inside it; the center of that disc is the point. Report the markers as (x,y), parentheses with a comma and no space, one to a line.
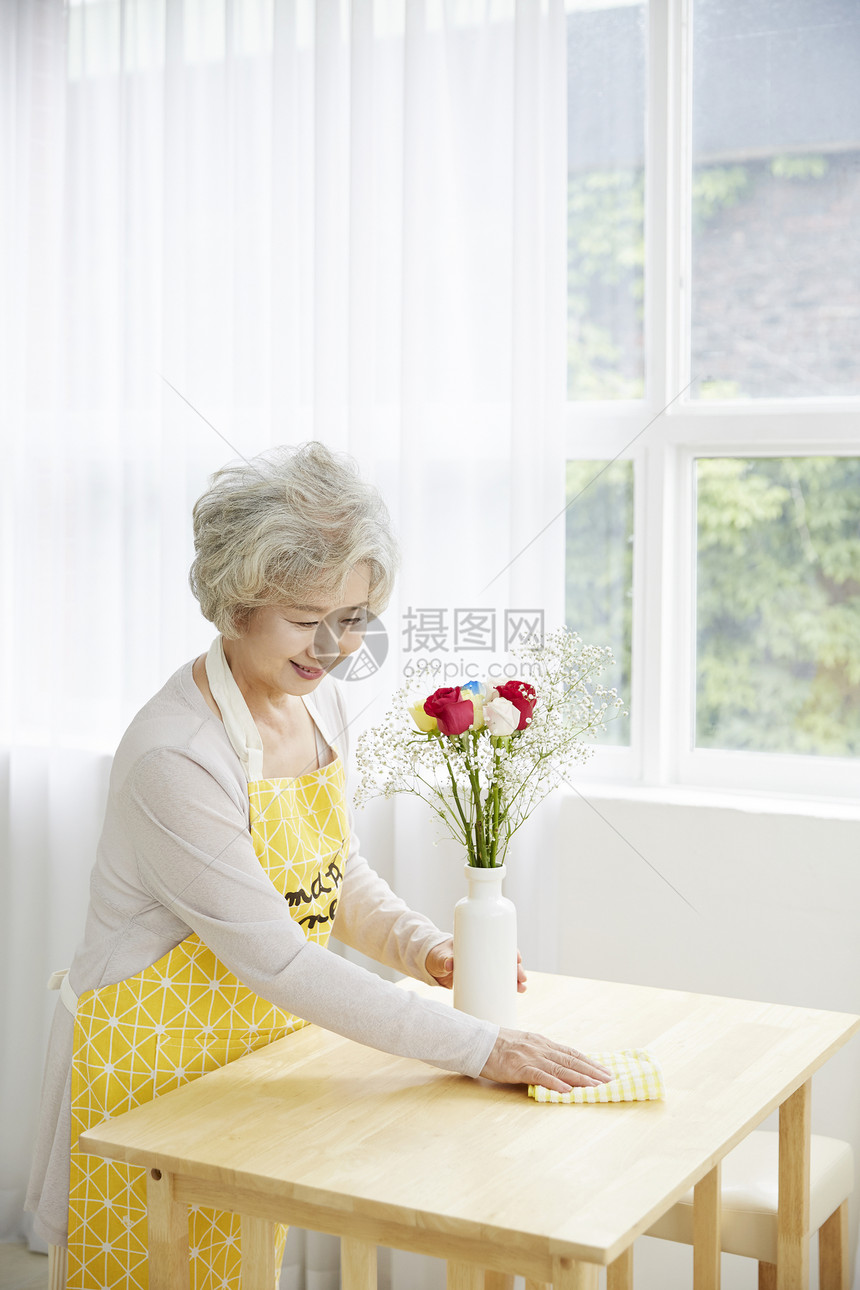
(495,839)
(494,794)
(466,829)
(484,861)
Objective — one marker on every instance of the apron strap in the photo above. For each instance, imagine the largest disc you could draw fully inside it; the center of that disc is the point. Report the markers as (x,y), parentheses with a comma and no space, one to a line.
(235,713)
(68,996)
(322,730)
(238,722)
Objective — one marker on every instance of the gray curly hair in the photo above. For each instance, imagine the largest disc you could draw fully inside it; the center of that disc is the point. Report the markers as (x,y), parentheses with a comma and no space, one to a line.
(291,520)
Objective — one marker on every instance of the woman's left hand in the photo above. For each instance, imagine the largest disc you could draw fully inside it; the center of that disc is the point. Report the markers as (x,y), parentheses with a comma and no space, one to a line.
(440,964)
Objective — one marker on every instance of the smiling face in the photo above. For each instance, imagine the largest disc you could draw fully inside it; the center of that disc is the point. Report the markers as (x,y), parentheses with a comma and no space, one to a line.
(288,648)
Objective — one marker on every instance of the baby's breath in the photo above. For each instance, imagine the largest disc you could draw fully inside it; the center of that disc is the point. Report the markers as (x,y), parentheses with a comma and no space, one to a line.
(482,786)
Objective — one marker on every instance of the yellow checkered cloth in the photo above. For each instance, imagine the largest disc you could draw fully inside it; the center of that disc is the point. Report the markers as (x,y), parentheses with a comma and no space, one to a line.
(638,1078)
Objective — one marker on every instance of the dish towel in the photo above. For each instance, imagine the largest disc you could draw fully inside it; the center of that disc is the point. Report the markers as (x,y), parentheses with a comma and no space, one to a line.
(638,1078)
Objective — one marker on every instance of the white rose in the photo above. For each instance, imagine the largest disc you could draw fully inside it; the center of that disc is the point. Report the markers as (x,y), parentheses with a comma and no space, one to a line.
(501,717)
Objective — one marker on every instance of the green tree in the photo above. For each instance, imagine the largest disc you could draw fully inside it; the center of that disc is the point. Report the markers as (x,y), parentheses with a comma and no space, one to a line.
(778,595)
(605,273)
(778,601)
(606,267)
(599,602)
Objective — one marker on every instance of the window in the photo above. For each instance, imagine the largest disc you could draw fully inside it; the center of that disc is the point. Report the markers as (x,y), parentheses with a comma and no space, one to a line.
(714,335)
(599,557)
(778,604)
(775,199)
(605,229)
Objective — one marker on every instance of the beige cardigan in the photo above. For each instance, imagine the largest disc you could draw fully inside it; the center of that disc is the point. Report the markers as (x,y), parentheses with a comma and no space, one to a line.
(176,856)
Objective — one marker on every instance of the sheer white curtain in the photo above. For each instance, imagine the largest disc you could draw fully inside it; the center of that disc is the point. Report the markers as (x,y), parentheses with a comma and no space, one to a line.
(330,220)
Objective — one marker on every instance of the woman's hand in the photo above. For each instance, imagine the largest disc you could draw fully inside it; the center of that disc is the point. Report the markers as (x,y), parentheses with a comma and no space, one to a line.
(440,964)
(521,1057)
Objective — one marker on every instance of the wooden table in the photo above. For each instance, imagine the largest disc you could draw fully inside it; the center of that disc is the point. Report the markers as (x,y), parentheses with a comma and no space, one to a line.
(326,1134)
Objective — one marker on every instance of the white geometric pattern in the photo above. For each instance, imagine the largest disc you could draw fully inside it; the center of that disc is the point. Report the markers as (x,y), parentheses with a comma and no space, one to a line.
(176,1020)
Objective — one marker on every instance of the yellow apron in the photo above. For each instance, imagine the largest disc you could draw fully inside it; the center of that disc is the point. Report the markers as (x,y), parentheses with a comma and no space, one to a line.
(181,1017)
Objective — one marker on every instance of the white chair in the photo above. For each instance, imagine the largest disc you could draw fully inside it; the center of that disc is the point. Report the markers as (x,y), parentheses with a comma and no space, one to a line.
(749,1190)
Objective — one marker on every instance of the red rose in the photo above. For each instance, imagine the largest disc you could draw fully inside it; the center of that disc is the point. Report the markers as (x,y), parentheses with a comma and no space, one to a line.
(523,696)
(453,713)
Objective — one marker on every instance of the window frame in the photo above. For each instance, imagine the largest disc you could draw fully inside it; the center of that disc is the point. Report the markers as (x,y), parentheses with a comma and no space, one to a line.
(663,434)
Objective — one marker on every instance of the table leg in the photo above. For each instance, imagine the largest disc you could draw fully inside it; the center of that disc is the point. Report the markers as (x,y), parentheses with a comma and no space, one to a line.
(465,1276)
(619,1273)
(357,1264)
(571,1274)
(706,1232)
(58,1267)
(792,1225)
(168,1234)
(498,1280)
(258,1254)
(834,1266)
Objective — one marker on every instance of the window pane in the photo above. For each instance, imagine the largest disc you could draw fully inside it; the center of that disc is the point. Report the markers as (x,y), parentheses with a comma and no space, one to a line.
(778,665)
(599,582)
(776,198)
(605,231)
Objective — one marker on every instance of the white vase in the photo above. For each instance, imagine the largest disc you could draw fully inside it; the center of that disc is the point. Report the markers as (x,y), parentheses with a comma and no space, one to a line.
(485,949)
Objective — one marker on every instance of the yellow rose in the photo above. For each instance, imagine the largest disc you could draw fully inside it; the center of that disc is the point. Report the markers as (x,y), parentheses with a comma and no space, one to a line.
(424,722)
(478,705)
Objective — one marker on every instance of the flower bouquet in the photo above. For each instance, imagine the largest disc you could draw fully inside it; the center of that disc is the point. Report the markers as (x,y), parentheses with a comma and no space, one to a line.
(484,755)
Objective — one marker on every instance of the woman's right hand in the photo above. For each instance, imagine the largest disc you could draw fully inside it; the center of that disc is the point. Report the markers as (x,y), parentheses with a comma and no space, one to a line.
(522,1057)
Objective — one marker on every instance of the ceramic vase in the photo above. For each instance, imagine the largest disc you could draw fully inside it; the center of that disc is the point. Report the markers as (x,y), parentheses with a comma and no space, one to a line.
(485,949)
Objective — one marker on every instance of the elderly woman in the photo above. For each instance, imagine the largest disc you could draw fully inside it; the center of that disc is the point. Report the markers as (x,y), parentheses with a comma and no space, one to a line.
(228,857)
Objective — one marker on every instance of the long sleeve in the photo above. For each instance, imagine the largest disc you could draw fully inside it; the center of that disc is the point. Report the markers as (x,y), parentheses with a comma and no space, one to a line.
(372,919)
(196,860)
